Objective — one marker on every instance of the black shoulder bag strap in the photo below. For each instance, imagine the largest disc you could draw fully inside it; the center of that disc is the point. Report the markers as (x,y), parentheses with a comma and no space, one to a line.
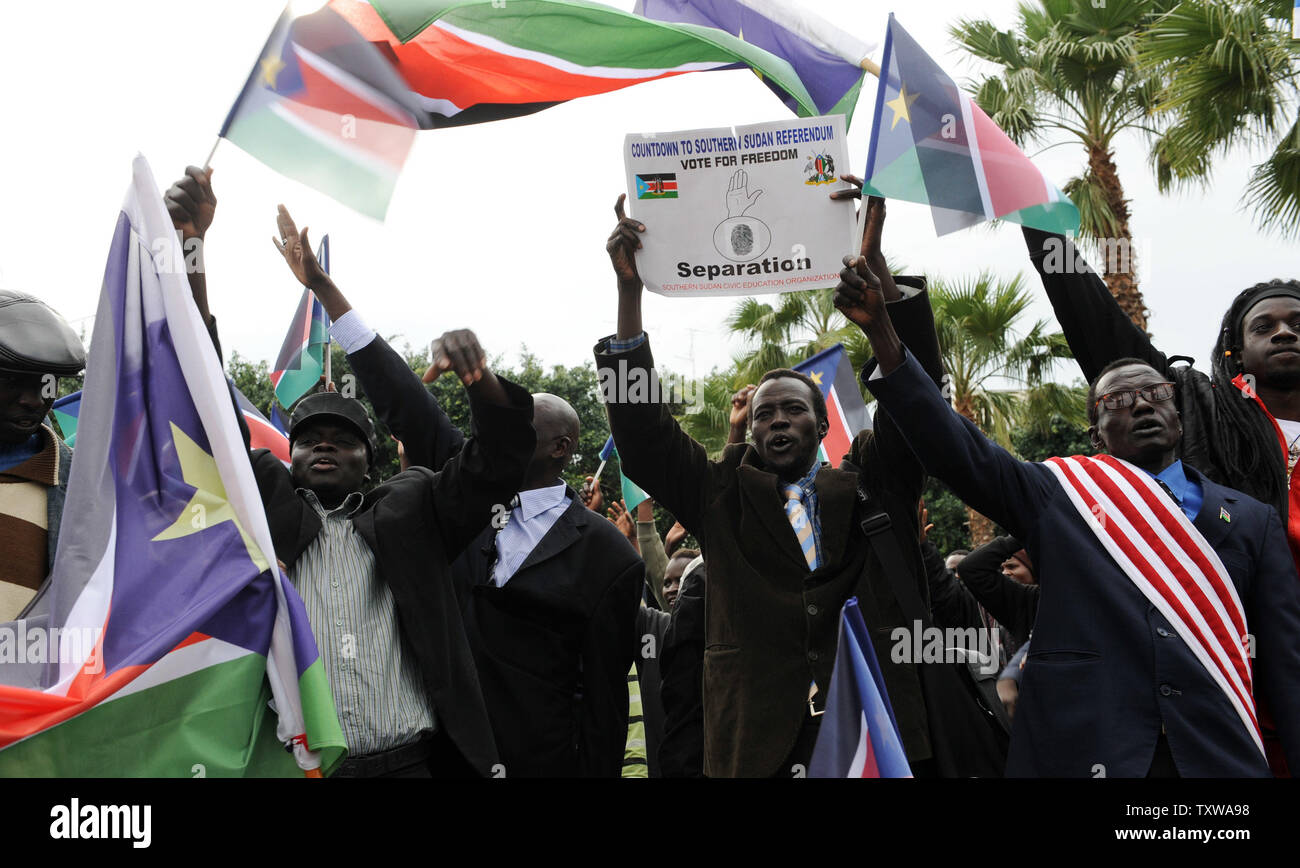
(969,739)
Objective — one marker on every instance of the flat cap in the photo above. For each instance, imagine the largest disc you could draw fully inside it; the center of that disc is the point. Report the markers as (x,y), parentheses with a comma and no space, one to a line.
(33,338)
(333,404)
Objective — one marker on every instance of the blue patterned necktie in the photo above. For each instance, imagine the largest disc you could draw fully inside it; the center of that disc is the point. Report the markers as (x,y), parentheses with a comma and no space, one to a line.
(799,521)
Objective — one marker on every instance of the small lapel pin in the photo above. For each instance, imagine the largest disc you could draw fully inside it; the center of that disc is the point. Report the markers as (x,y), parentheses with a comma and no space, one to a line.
(1223,514)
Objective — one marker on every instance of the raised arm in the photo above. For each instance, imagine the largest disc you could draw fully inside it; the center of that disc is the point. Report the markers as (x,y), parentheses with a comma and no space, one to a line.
(985,476)
(1015,606)
(656,453)
(401,401)
(1098,331)
(192,206)
(477,483)
(885,455)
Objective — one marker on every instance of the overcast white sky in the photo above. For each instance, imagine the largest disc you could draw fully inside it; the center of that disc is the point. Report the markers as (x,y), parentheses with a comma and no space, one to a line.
(497,227)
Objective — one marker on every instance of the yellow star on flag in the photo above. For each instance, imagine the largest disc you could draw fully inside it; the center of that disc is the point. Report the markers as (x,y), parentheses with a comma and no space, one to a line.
(816,377)
(900,104)
(208,506)
(271,67)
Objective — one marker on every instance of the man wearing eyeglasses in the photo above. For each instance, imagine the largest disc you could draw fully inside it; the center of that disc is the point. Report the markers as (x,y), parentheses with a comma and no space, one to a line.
(1168,603)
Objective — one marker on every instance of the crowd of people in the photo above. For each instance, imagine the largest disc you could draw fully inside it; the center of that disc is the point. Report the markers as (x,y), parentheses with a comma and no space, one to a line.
(477,616)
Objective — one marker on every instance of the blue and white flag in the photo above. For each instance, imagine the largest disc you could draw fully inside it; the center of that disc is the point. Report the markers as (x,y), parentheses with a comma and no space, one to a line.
(859,737)
(825,58)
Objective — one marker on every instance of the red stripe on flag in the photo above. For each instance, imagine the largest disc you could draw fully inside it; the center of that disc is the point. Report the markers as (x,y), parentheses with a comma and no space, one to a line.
(1013,181)
(25,712)
(264,435)
(443,66)
(838,438)
(385,142)
(322,91)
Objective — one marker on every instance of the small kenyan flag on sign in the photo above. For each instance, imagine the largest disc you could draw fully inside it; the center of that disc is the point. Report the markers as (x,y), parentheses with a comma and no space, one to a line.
(662,186)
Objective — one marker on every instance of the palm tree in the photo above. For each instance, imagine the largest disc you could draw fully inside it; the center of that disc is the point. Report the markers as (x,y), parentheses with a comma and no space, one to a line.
(977,321)
(707,418)
(1232,76)
(1069,67)
(783,334)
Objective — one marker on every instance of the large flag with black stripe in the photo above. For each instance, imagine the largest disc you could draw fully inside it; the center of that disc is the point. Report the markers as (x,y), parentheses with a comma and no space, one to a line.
(470,61)
(931,143)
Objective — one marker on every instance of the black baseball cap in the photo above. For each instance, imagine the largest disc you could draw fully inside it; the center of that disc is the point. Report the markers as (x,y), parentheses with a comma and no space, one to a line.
(349,410)
(34,339)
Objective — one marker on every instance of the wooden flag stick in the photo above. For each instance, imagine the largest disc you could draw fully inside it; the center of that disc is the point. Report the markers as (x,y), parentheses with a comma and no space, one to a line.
(872,67)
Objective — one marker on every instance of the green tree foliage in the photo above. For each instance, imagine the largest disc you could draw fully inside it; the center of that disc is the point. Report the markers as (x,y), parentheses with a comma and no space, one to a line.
(577,385)
(1059,437)
(1069,70)
(1231,75)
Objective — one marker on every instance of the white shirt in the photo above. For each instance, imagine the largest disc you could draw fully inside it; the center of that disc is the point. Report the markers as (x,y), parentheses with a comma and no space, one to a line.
(526,524)
(1290,430)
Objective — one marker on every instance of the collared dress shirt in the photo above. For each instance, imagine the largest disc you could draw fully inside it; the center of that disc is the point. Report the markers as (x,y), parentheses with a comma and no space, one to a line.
(380,698)
(535,514)
(1187,492)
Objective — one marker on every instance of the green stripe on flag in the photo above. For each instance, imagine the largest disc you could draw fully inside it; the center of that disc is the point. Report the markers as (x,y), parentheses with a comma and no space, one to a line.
(296,383)
(591,34)
(323,730)
(214,723)
(291,152)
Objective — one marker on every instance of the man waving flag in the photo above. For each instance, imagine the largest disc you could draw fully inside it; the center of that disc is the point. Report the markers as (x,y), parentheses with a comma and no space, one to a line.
(149,650)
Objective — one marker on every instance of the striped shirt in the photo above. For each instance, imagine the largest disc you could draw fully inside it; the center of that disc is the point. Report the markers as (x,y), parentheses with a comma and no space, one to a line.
(30,470)
(381,701)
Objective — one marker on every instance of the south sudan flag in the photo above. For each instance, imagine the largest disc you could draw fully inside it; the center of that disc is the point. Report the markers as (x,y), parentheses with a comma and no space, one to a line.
(661,186)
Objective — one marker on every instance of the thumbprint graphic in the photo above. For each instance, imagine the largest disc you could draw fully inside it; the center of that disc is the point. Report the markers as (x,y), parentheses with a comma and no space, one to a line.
(742,239)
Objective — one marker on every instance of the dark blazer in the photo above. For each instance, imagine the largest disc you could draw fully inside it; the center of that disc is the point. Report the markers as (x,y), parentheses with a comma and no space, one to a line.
(555,645)
(771,626)
(1104,669)
(681,753)
(416,523)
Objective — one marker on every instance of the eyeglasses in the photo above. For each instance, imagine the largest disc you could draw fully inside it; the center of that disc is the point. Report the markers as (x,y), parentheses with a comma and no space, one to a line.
(1126,398)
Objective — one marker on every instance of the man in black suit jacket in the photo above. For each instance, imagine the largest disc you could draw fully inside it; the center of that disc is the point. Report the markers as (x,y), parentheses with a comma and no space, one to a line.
(413,526)
(1112,687)
(772,622)
(553,641)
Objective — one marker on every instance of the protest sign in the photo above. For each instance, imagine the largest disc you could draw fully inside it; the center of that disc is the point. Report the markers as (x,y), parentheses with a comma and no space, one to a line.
(741,210)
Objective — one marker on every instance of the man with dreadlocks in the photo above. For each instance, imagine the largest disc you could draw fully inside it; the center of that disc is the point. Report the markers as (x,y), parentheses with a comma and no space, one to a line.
(1241,424)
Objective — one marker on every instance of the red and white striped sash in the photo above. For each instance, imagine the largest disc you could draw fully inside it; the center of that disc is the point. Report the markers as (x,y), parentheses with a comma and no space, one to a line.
(1171,563)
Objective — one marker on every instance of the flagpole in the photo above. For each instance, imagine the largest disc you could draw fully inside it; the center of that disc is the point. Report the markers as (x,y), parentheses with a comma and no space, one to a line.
(208,161)
(867,65)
